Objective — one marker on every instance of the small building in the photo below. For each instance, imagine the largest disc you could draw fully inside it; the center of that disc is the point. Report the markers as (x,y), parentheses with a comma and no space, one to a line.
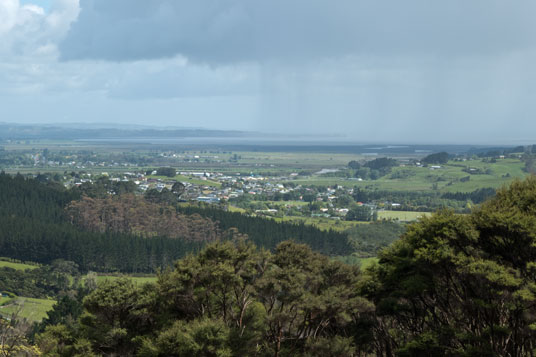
(208,199)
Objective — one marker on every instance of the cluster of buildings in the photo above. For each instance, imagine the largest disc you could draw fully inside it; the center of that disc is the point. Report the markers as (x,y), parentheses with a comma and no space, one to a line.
(200,186)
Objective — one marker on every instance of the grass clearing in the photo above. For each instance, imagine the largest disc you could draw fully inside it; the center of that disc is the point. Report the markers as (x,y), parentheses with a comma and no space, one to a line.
(4,300)
(402,215)
(286,203)
(321,222)
(136,279)
(296,160)
(31,309)
(236,209)
(17,266)
(364,263)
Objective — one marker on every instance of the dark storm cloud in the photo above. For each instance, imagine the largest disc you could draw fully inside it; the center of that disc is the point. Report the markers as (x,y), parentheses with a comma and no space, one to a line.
(224,31)
(377,70)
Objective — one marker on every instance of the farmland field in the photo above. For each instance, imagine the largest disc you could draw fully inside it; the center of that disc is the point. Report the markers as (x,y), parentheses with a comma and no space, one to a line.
(17,266)
(401,215)
(363,263)
(321,223)
(136,279)
(29,308)
(445,179)
(4,299)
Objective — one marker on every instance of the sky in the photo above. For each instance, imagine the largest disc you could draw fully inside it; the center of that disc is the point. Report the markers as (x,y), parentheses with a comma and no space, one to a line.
(414,71)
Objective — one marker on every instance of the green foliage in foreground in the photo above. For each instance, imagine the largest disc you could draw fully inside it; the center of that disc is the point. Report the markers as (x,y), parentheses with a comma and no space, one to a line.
(462,285)
(453,285)
(229,300)
(135,279)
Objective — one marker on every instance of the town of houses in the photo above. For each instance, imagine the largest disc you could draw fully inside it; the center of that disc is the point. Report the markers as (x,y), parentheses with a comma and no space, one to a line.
(216,188)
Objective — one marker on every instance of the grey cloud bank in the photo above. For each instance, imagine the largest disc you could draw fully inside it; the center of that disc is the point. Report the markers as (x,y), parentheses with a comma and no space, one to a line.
(399,71)
(216,31)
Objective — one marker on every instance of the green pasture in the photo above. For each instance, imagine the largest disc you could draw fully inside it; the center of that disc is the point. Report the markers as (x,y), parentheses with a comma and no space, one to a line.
(286,203)
(4,299)
(137,279)
(323,181)
(17,266)
(297,160)
(367,262)
(448,178)
(235,209)
(29,308)
(363,263)
(401,215)
(321,222)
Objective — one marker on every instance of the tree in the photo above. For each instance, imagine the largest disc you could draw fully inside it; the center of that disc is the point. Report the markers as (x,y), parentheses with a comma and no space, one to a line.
(115,314)
(381,163)
(216,283)
(528,159)
(462,284)
(437,158)
(203,338)
(306,297)
(178,188)
(355,165)
(166,171)
(13,340)
(66,311)
(60,340)
(344,200)
(359,213)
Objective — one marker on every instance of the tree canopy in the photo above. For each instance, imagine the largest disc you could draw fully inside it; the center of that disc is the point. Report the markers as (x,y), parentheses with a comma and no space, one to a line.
(462,285)
(229,300)
(381,163)
(437,158)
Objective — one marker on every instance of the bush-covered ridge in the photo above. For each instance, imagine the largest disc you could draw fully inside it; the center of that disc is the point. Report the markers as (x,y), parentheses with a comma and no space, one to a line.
(231,299)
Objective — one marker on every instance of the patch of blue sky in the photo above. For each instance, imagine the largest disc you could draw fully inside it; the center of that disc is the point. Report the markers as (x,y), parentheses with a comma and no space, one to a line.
(45,4)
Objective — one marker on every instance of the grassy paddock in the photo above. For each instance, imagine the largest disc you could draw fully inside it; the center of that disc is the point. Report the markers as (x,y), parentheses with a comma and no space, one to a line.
(424,179)
(366,262)
(17,266)
(4,300)
(31,309)
(402,215)
(236,209)
(286,203)
(136,279)
(321,223)
(353,260)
